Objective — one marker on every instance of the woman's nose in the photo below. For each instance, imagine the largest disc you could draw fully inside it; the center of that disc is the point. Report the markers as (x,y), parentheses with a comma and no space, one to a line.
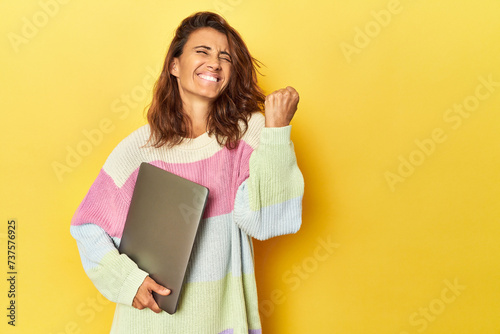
(214,63)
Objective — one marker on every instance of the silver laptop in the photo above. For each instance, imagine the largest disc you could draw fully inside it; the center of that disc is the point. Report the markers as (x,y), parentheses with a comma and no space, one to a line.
(161,227)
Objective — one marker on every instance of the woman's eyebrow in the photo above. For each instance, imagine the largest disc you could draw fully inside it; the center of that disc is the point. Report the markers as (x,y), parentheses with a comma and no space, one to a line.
(203,46)
(210,49)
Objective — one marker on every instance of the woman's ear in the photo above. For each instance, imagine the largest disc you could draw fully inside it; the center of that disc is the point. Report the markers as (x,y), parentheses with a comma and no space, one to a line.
(173,68)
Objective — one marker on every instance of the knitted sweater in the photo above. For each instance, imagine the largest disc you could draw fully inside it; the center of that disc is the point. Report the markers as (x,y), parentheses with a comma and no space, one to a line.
(256,191)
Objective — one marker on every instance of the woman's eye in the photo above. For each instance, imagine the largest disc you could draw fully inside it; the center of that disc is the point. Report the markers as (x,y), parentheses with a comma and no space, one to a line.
(226,59)
(200,51)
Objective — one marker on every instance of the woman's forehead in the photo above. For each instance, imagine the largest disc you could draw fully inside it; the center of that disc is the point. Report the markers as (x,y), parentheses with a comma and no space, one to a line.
(208,37)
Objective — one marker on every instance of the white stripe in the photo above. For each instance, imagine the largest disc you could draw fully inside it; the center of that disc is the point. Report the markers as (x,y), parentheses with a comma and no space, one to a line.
(128,154)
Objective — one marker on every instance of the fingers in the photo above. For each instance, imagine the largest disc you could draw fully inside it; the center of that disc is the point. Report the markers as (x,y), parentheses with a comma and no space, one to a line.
(288,92)
(153,306)
(143,302)
(291,90)
(153,286)
(144,297)
(159,289)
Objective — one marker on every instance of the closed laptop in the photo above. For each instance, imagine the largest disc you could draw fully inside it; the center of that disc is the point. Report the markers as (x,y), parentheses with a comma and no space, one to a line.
(160,229)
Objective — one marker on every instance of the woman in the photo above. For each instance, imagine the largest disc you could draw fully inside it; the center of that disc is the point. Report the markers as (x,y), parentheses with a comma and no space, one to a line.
(204,124)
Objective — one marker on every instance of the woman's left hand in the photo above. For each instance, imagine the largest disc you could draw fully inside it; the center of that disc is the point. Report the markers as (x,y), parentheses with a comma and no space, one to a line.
(280,106)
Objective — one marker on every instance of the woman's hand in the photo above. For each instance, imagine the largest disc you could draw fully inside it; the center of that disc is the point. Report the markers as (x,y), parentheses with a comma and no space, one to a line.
(144,297)
(280,106)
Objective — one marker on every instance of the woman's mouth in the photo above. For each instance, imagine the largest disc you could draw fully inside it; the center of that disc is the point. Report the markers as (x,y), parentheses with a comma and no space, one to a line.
(209,78)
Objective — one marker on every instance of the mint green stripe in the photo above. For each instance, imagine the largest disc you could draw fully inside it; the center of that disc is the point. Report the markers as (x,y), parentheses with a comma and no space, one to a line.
(274,174)
(205,307)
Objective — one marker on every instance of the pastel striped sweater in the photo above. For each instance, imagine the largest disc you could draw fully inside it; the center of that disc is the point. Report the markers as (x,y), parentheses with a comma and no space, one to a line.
(256,191)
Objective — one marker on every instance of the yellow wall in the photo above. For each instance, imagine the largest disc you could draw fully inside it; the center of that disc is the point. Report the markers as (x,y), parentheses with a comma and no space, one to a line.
(397,134)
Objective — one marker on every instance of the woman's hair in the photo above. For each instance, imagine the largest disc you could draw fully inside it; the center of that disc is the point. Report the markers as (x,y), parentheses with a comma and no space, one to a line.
(242,96)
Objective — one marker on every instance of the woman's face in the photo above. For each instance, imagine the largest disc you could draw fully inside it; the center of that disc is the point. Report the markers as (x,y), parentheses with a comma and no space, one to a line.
(204,68)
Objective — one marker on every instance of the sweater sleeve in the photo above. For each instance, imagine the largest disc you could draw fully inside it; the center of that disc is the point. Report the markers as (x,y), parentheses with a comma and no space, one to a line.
(268,202)
(97,225)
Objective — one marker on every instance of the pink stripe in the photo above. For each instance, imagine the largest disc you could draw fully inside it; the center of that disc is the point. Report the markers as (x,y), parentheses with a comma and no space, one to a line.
(102,206)
(212,173)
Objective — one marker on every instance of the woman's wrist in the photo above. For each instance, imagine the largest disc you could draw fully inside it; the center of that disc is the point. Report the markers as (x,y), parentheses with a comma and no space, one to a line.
(276,123)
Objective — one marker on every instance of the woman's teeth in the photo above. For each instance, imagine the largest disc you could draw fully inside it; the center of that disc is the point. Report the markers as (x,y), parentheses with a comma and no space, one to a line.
(206,77)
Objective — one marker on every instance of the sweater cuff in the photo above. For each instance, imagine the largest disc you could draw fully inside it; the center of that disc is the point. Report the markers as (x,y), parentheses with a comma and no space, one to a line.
(131,285)
(276,136)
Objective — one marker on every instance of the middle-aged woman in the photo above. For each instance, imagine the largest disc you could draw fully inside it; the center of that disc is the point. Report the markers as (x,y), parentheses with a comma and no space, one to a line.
(204,124)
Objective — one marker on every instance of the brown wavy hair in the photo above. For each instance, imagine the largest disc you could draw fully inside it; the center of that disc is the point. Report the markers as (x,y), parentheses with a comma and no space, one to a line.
(241,97)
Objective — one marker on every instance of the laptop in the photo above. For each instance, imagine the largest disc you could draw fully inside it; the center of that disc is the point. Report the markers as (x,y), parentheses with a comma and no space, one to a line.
(160,229)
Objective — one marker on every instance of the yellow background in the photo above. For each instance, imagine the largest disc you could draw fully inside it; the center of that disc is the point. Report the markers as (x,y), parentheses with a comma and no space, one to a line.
(375,78)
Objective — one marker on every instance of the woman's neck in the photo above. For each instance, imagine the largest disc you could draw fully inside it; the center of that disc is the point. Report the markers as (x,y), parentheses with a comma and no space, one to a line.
(198,113)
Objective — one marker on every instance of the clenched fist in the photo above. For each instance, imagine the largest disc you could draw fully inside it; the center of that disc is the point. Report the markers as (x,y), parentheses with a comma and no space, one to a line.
(280,106)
